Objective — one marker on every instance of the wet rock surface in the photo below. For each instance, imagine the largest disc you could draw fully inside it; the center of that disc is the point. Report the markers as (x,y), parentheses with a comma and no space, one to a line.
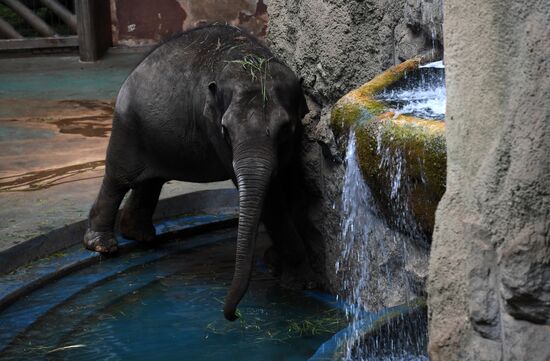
(337,46)
(402,157)
(395,336)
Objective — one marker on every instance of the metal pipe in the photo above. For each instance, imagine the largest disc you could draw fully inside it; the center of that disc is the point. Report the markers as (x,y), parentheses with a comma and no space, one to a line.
(7,30)
(61,11)
(38,24)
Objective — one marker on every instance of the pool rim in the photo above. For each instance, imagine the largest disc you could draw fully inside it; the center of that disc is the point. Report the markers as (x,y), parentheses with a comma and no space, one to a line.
(221,201)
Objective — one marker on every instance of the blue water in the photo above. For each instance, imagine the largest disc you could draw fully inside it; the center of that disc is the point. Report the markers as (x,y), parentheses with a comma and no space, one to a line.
(170,308)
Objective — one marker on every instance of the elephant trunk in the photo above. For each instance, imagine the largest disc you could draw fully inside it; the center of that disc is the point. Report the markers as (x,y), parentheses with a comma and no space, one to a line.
(253,166)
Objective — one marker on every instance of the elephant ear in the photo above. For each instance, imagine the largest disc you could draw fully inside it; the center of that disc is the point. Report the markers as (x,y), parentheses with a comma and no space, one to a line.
(303,109)
(210,107)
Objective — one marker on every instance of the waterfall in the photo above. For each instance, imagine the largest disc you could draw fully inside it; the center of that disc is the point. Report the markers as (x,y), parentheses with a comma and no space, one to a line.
(360,225)
(422,94)
(373,259)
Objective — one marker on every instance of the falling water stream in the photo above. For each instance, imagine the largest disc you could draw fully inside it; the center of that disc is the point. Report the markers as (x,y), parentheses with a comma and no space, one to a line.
(373,257)
(368,247)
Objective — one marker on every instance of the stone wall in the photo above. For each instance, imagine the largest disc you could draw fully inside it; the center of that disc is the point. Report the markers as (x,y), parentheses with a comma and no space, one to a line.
(489,289)
(337,45)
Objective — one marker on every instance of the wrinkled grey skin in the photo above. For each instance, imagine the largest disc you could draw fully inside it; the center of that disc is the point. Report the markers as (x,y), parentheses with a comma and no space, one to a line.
(190,111)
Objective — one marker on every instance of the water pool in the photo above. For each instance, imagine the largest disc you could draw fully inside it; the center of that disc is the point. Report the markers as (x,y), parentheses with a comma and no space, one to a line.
(420,93)
(165,304)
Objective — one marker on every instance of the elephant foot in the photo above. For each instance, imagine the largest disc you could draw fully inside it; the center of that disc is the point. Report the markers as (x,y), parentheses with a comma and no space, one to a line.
(102,242)
(131,228)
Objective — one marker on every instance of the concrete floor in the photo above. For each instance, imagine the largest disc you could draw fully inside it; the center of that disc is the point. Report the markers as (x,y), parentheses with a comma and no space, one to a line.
(55,120)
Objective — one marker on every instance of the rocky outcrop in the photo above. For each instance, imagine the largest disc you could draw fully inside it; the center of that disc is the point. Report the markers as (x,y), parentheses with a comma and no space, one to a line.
(337,46)
(422,23)
(489,284)
(395,177)
(402,158)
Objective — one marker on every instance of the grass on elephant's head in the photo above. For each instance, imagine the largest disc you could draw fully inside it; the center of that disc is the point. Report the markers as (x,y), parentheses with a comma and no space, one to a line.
(258,68)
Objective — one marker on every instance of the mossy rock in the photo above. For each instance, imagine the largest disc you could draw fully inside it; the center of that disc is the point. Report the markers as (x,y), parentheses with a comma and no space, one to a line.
(402,158)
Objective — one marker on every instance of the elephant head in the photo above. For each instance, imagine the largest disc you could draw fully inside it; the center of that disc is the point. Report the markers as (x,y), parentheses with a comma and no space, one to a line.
(258,104)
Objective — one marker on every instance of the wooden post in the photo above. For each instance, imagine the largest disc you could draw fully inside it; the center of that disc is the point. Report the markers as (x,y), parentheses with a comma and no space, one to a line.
(94,28)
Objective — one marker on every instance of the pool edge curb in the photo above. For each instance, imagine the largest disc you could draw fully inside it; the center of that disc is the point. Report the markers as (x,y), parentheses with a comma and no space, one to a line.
(69,235)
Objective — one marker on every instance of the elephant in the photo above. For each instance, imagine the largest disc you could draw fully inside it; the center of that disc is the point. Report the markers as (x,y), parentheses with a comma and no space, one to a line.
(211,104)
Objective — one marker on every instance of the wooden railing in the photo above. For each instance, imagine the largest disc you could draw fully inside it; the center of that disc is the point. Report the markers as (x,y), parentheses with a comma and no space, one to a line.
(88,28)
(47,37)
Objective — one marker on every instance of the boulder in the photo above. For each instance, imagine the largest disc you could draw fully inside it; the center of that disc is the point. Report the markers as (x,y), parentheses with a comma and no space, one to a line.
(402,158)
(489,283)
(335,46)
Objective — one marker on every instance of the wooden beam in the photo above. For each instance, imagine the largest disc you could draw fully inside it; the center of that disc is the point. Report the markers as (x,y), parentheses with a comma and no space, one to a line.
(7,30)
(94,28)
(61,11)
(39,43)
(37,23)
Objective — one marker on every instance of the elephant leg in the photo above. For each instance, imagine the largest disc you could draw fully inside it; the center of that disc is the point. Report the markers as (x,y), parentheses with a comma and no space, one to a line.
(100,236)
(288,253)
(136,221)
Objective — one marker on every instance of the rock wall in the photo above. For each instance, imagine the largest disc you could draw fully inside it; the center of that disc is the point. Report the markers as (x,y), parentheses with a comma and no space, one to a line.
(337,45)
(489,288)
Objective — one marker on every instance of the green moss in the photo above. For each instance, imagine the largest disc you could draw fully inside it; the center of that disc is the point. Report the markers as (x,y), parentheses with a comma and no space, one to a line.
(266,330)
(343,116)
(419,143)
(421,148)
(360,105)
(388,77)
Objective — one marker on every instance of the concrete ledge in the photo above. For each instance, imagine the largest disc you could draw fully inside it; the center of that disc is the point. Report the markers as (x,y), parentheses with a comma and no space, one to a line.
(39,43)
(210,201)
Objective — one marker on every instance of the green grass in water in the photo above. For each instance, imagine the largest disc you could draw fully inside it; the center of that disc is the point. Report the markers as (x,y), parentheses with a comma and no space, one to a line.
(329,322)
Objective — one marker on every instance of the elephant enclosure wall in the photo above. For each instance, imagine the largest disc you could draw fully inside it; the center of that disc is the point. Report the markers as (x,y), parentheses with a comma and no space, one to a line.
(489,288)
(489,273)
(336,46)
(137,23)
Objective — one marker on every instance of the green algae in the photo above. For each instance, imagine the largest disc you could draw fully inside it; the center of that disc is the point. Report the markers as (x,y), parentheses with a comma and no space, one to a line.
(421,149)
(265,330)
(385,139)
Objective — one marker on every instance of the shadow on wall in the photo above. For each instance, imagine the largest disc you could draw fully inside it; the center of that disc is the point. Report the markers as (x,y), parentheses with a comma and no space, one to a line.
(148,22)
